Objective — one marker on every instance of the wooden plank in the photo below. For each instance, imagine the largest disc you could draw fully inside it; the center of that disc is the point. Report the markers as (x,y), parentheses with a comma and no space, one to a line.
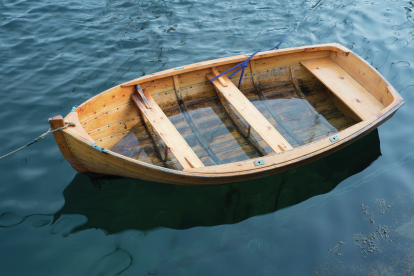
(220,79)
(253,71)
(105,101)
(309,150)
(240,126)
(249,113)
(144,99)
(366,75)
(343,107)
(163,153)
(168,133)
(190,122)
(356,97)
(295,82)
(267,105)
(114,115)
(314,113)
(272,160)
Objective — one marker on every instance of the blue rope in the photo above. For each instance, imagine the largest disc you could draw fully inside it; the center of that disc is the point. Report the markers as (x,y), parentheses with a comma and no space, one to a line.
(244,63)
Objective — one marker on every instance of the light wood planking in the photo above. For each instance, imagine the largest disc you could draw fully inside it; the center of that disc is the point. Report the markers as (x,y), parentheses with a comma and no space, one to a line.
(240,126)
(256,84)
(356,97)
(285,157)
(168,133)
(220,79)
(343,107)
(310,149)
(284,56)
(57,122)
(365,75)
(144,99)
(162,152)
(105,101)
(73,117)
(295,81)
(252,116)
(190,122)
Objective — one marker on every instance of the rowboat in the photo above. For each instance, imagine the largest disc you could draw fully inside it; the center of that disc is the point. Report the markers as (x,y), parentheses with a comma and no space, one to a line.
(185,126)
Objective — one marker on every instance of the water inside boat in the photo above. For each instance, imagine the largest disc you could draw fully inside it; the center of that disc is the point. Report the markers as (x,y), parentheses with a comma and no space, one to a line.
(301,113)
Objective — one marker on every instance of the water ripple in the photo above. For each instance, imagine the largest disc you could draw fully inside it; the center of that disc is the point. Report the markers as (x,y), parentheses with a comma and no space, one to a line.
(54,55)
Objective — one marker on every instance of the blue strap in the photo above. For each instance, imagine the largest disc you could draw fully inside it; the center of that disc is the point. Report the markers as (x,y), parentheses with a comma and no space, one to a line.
(31,142)
(244,63)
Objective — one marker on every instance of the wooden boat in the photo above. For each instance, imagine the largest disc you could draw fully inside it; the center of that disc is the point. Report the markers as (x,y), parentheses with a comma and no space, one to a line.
(294,106)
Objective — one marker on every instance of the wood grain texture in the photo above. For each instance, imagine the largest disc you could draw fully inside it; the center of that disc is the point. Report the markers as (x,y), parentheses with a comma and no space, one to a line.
(168,133)
(57,122)
(78,129)
(252,116)
(116,164)
(287,156)
(344,86)
(365,75)
(240,126)
(190,123)
(344,108)
(299,53)
(108,109)
(295,81)
(220,79)
(257,86)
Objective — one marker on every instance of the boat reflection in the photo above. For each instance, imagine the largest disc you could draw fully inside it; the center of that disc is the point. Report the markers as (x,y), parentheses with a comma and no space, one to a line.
(114,205)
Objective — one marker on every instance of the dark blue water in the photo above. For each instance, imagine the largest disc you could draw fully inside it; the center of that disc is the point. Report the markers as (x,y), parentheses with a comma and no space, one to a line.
(57,54)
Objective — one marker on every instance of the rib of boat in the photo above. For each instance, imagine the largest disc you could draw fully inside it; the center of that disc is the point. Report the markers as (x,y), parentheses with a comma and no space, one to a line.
(184,126)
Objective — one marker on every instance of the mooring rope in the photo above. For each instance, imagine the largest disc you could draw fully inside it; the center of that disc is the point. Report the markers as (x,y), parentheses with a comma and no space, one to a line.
(244,63)
(39,138)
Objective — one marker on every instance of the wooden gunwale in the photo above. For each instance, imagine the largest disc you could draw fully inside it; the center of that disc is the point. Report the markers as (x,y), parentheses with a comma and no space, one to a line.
(221,174)
(235,59)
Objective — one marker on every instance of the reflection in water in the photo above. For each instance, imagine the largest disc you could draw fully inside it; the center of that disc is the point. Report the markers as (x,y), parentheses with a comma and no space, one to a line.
(115,205)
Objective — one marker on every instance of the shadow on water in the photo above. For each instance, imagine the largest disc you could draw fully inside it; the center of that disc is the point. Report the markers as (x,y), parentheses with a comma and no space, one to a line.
(115,205)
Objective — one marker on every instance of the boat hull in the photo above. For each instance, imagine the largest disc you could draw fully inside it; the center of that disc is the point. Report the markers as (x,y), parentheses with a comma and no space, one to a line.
(76,144)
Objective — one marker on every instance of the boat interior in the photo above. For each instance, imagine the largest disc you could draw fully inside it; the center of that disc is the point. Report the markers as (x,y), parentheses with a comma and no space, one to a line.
(183,121)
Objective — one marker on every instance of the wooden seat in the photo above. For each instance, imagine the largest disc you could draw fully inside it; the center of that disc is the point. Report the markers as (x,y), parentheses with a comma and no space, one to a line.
(249,113)
(166,131)
(346,88)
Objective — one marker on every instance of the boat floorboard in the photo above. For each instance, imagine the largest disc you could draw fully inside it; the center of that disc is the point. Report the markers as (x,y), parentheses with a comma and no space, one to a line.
(309,119)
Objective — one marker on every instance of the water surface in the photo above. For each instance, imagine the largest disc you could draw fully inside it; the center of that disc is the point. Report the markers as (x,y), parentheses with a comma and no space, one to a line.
(312,220)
